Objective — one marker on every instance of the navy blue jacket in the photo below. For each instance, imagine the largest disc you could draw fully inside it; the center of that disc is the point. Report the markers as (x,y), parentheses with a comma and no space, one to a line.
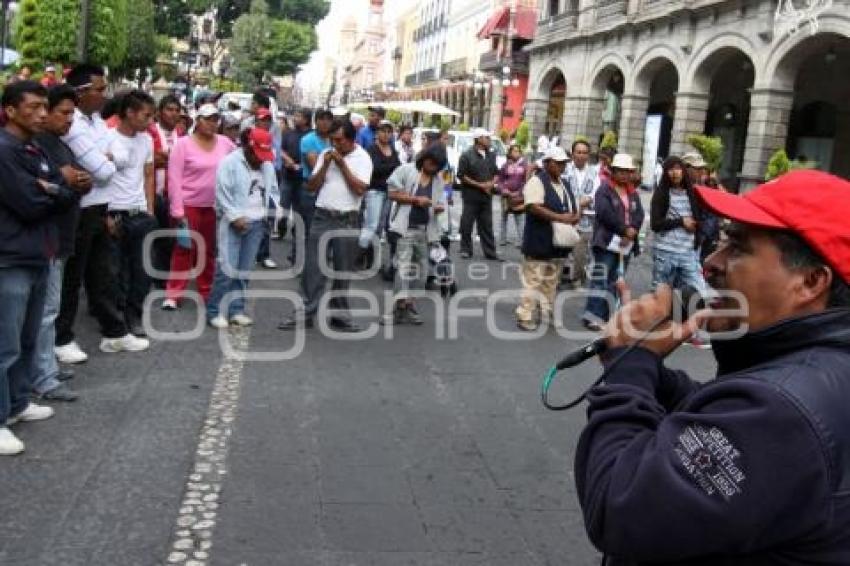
(752,468)
(28,231)
(538,233)
(610,216)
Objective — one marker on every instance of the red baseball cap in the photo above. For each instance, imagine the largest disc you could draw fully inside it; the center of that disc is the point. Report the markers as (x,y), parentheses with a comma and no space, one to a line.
(260,142)
(263,114)
(812,204)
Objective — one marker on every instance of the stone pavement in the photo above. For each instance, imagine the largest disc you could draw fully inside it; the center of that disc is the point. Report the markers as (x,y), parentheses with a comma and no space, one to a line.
(402,451)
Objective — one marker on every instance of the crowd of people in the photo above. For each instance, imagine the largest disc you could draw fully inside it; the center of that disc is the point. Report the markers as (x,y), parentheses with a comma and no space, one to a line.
(90,177)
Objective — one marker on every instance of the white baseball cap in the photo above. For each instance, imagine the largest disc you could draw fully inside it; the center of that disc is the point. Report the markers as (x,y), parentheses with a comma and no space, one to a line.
(623,161)
(480,133)
(207,110)
(556,154)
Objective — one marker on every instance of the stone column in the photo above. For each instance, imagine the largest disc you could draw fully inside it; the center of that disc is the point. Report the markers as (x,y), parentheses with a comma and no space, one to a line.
(770,113)
(691,112)
(495,119)
(467,113)
(571,123)
(591,120)
(536,110)
(632,124)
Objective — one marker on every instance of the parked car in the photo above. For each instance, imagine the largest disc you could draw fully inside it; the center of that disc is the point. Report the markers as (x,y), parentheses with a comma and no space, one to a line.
(461,141)
(243,99)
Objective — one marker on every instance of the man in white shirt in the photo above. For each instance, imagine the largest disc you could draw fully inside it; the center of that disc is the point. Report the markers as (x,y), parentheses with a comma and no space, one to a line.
(132,194)
(340,179)
(92,256)
(582,180)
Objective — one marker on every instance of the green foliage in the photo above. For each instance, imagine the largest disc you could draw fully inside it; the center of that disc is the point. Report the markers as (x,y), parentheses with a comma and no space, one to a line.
(779,164)
(710,147)
(304,11)
(523,135)
(581,138)
(172,18)
(445,124)
(142,43)
(108,37)
(27,34)
(394,116)
(163,47)
(504,134)
(226,85)
(462,127)
(58,25)
(288,46)
(250,34)
(609,140)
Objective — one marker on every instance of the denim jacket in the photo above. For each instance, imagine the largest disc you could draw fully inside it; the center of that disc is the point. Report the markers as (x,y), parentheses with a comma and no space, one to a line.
(233,185)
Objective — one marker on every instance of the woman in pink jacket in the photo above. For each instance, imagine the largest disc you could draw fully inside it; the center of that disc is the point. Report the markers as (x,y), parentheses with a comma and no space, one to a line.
(191,188)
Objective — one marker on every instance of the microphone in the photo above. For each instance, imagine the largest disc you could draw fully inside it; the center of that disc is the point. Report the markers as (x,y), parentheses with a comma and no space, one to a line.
(682,299)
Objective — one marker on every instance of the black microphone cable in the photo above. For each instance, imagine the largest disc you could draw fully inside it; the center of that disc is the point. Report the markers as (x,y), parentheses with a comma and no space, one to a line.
(553,371)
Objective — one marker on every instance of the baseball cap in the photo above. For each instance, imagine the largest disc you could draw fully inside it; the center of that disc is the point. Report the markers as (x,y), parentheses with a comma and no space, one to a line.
(263,114)
(812,204)
(386,124)
(207,110)
(555,154)
(260,142)
(623,161)
(50,69)
(694,160)
(480,133)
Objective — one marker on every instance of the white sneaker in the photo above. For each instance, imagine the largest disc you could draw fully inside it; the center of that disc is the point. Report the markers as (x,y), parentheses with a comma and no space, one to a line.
(269,263)
(70,353)
(128,343)
(241,320)
(9,443)
(219,322)
(32,413)
(169,305)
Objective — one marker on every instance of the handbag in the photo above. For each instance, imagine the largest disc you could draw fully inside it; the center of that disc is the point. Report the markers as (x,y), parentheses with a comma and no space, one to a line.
(564,235)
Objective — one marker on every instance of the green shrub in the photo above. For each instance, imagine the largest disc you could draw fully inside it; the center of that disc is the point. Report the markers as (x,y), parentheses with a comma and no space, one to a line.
(710,147)
(463,127)
(609,140)
(523,135)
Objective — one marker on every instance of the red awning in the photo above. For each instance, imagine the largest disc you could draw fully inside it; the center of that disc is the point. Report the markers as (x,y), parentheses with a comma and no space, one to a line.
(525,23)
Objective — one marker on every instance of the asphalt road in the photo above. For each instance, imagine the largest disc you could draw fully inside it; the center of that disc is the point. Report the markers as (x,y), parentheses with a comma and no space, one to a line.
(415,449)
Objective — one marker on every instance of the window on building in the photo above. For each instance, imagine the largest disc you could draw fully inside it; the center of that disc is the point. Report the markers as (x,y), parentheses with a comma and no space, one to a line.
(553,7)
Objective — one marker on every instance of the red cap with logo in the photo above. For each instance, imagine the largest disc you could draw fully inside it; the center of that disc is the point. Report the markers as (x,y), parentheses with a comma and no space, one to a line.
(812,204)
(260,142)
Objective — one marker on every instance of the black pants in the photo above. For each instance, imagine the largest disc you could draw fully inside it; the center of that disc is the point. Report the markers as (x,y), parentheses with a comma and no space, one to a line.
(343,251)
(133,282)
(162,247)
(478,211)
(92,260)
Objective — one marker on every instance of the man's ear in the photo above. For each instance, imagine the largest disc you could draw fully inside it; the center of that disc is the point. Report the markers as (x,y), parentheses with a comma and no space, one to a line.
(816,284)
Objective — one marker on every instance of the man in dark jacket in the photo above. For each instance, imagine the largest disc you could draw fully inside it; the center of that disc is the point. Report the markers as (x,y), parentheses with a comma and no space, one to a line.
(751,468)
(32,194)
(476,173)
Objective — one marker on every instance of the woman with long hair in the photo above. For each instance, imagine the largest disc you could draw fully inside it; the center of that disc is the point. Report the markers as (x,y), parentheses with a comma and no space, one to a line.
(512,179)
(191,182)
(675,217)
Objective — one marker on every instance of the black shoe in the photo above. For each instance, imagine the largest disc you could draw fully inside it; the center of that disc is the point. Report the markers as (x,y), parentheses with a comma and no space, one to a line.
(345,326)
(295,322)
(61,392)
(592,326)
(497,258)
(65,375)
(413,316)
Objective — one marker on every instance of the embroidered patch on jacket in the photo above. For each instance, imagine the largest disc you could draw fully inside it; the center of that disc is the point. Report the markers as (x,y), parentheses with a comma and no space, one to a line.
(711,460)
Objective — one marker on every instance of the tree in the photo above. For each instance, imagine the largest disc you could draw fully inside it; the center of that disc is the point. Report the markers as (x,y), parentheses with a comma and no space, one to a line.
(26,33)
(108,36)
(58,27)
(523,135)
(778,165)
(710,147)
(250,34)
(304,11)
(609,140)
(287,46)
(142,43)
(172,18)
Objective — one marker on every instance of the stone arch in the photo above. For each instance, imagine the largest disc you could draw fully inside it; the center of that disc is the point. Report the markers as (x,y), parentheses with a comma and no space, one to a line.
(598,77)
(782,64)
(648,65)
(711,55)
(546,78)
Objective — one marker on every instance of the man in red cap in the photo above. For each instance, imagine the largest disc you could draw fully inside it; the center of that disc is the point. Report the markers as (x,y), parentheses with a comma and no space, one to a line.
(754,466)
(245,182)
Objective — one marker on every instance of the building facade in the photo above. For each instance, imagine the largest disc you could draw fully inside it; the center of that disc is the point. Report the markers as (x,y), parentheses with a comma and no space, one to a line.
(682,67)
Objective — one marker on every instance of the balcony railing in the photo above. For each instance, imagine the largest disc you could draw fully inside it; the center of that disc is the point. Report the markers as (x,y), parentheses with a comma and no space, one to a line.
(453,69)
(491,62)
(421,77)
(610,10)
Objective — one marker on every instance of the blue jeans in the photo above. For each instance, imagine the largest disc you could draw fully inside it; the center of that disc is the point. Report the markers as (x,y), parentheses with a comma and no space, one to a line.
(603,277)
(372,217)
(678,270)
(46,368)
(22,291)
(237,251)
